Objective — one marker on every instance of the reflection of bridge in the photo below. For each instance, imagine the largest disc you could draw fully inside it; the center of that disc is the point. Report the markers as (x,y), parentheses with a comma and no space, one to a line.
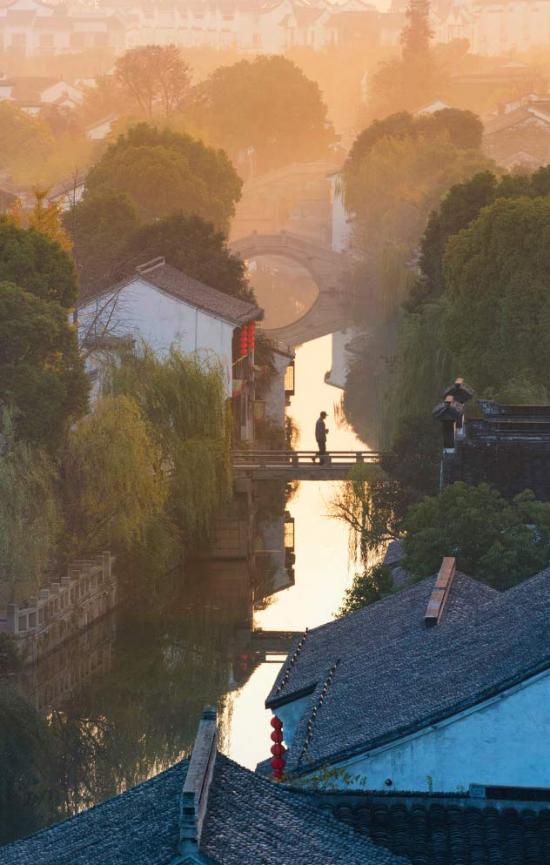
(268,646)
(332,309)
(299,465)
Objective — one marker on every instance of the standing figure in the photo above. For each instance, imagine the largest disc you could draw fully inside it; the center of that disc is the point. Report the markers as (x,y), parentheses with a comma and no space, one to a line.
(321,432)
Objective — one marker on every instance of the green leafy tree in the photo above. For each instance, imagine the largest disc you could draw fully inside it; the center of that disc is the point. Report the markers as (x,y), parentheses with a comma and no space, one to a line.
(496,541)
(101,226)
(496,321)
(163,172)
(266,104)
(37,263)
(27,767)
(416,78)
(30,518)
(41,374)
(113,480)
(154,75)
(372,585)
(192,245)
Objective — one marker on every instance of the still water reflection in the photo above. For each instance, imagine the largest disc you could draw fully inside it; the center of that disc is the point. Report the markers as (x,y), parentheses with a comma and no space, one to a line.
(125,697)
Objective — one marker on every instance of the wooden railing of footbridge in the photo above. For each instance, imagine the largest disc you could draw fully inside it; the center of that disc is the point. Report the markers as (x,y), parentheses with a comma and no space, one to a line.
(300,465)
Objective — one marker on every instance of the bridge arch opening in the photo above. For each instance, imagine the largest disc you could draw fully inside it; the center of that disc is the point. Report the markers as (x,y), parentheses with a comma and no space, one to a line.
(284,288)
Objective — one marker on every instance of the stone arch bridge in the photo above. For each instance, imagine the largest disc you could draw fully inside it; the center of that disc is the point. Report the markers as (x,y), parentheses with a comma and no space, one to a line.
(332,310)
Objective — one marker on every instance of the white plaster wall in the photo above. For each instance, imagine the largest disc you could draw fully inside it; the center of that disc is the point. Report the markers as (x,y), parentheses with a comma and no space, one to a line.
(506,742)
(143,311)
(275,407)
(341,229)
(290,715)
(340,358)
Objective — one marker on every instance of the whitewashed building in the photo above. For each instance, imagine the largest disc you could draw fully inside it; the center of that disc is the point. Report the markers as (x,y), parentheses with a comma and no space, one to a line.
(166,308)
(440,686)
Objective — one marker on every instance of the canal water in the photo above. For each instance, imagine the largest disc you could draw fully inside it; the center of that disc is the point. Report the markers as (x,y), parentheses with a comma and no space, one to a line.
(125,697)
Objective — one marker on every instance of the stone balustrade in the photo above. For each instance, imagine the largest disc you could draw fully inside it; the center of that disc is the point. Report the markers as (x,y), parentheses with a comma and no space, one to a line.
(84,594)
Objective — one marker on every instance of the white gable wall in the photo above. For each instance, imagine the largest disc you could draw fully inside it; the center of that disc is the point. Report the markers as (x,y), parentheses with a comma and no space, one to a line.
(504,742)
(145,312)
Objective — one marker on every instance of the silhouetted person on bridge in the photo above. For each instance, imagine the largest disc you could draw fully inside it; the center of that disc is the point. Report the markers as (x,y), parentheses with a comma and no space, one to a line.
(321,433)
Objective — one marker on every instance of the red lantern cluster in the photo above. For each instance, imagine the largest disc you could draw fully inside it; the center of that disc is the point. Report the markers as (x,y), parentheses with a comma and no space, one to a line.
(247,338)
(243,345)
(277,749)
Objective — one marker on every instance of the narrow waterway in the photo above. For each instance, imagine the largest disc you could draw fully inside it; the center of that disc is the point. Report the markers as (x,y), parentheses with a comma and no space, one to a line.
(125,696)
(322,570)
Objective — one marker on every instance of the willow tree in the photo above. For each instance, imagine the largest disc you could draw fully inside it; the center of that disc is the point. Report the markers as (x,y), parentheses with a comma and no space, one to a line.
(30,520)
(183,400)
(113,484)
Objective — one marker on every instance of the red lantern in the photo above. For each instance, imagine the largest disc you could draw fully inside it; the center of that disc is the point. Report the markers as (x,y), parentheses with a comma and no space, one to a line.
(277,774)
(252,335)
(277,763)
(276,736)
(276,722)
(278,750)
(244,341)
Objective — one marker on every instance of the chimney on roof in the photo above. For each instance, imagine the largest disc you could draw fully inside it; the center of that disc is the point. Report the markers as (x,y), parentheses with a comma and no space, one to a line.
(147,266)
(194,796)
(440,592)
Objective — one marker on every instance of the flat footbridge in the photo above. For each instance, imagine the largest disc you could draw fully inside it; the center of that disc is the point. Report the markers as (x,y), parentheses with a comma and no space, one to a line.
(300,465)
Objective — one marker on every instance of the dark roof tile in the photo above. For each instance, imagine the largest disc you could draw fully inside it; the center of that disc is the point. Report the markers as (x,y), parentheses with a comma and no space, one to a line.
(388,643)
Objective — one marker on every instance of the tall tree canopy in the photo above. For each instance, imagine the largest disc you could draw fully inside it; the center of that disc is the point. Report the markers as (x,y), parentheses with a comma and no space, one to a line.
(416,78)
(41,374)
(109,243)
(164,171)
(193,246)
(155,76)
(496,321)
(267,105)
(36,263)
(100,226)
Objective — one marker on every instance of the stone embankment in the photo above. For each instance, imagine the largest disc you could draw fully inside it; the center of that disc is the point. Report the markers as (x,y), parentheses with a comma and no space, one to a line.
(63,609)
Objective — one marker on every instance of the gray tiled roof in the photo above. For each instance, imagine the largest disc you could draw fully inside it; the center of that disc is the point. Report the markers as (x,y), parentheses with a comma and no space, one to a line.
(394,675)
(184,287)
(249,821)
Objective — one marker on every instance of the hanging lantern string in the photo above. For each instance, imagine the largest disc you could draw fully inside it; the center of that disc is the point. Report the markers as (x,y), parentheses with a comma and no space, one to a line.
(310,726)
(292,661)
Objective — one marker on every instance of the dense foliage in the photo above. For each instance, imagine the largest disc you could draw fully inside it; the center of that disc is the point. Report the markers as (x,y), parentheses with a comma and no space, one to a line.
(37,263)
(27,761)
(113,483)
(163,172)
(265,106)
(41,374)
(497,541)
(184,406)
(30,517)
(372,585)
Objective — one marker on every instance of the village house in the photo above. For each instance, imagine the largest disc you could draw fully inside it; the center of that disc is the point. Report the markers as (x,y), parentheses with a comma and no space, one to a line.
(439,686)
(208,810)
(164,307)
(30,27)
(519,134)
